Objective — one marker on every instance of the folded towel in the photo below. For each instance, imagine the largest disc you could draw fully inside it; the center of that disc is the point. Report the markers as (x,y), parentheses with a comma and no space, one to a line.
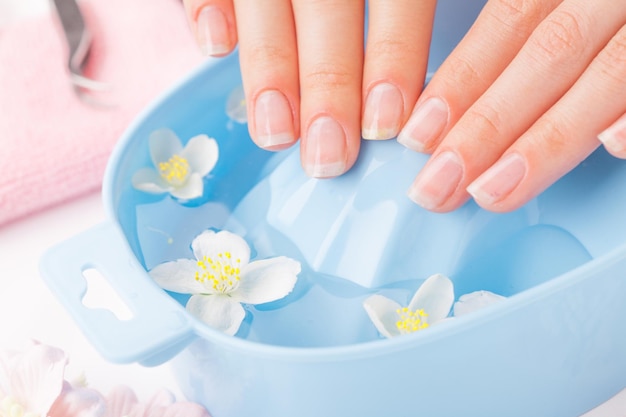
(54,146)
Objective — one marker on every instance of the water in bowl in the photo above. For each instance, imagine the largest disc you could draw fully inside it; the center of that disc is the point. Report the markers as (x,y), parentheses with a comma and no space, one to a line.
(478,250)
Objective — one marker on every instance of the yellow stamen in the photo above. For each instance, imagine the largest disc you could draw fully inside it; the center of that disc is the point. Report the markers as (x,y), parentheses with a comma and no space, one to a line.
(222,273)
(175,171)
(9,407)
(411,321)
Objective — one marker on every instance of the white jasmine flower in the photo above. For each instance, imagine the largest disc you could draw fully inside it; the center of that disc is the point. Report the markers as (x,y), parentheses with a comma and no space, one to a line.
(430,304)
(222,277)
(475,301)
(178,170)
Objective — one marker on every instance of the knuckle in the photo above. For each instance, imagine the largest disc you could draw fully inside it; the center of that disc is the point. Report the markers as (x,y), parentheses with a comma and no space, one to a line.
(561,37)
(519,15)
(265,55)
(327,77)
(462,71)
(612,59)
(390,47)
(487,121)
(554,135)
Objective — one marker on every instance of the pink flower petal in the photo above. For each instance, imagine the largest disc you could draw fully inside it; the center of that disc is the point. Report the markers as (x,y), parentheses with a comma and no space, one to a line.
(36,377)
(78,402)
(120,402)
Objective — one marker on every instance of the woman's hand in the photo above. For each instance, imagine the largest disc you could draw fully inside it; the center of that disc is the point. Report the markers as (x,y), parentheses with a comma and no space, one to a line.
(520,102)
(305,73)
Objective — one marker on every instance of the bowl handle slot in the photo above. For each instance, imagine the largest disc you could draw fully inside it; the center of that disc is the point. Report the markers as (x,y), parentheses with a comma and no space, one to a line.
(157,327)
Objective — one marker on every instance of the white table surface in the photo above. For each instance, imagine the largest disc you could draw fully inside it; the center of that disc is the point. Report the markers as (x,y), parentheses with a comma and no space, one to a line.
(29,311)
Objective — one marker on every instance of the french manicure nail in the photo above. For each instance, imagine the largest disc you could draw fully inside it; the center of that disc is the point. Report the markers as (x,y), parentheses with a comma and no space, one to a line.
(425,125)
(437,181)
(273,119)
(614,138)
(325,148)
(383,112)
(212,31)
(500,180)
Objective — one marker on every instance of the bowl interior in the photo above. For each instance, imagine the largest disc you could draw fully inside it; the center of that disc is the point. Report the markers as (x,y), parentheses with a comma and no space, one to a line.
(355,235)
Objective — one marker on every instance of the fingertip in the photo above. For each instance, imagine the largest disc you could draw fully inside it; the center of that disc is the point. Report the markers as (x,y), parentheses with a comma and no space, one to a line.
(383,112)
(436,187)
(274,127)
(423,132)
(614,139)
(213,25)
(499,181)
(324,148)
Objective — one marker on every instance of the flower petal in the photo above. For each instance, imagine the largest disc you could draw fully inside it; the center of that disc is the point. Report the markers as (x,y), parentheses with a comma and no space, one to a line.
(383,313)
(161,398)
(179,409)
(202,153)
(475,301)
(120,402)
(210,243)
(36,377)
(435,296)
(163,145)
(148,180)
(267,280)
(218,311)
(178,276)
(193,188)
(78,402)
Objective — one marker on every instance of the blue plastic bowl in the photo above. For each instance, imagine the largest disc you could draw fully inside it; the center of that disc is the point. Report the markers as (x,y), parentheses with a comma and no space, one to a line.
(555,347)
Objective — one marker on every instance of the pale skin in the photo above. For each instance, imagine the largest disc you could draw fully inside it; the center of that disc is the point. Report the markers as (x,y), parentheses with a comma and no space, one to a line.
(531,91)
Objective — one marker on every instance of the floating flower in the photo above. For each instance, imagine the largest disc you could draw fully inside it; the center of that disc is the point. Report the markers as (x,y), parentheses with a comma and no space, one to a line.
(236,108)
(430,304)
(475,301)
(222,277)
(178,170)
(30,381)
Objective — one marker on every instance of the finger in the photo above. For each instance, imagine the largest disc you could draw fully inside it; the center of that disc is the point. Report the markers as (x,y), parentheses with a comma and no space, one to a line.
(396,58)
(269,67)
(614,138)
(330,42)
(213,25)
(554,57)
(562,138)
(496,37)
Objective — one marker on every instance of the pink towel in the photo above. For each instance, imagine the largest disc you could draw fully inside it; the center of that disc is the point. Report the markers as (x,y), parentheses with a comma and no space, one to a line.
(53,146)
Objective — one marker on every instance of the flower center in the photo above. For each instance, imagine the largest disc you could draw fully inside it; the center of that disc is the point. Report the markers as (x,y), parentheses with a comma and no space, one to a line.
(9,407)
(221,273)
(411,321)
(175,171)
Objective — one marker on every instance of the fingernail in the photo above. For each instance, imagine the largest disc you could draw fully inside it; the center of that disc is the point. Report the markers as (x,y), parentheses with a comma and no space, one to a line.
(212,31)
(498,181)
(614,138)
(325,148)
(273,119)
(425,125)
(383,112)
(437,181)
